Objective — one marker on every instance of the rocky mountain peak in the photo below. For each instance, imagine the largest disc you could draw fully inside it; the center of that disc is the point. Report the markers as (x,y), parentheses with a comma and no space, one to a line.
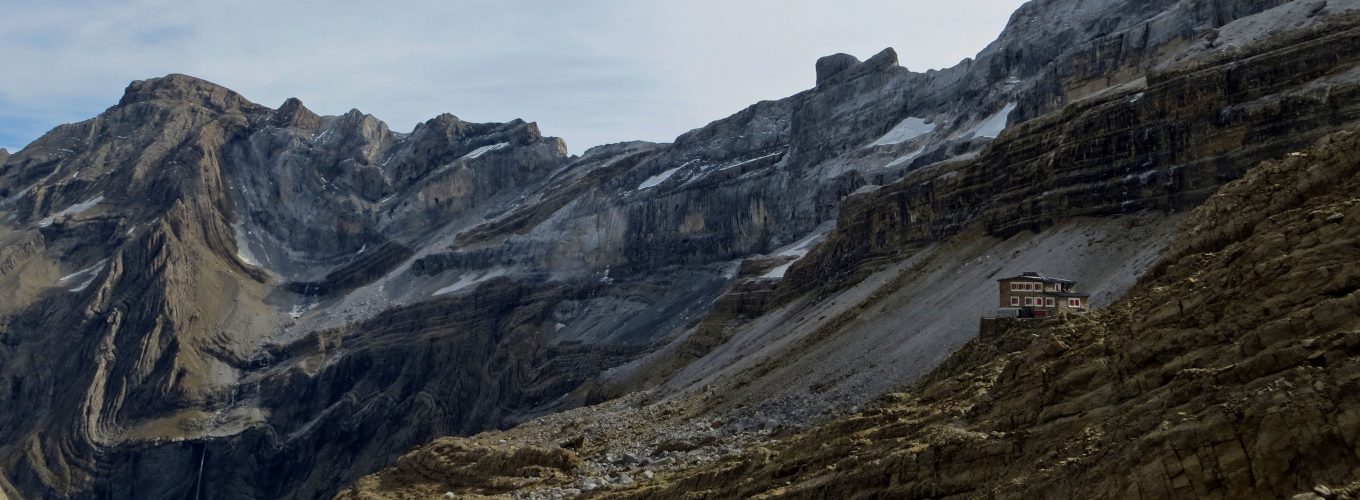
(833,64)
(445,119)
(838,68)
(294,114)
(178,88)
(264,311)
(884,59)
(4,155)
(451,134)
(357,123)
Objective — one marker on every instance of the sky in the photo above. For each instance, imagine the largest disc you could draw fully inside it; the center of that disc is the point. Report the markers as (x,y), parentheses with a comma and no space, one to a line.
(592,72)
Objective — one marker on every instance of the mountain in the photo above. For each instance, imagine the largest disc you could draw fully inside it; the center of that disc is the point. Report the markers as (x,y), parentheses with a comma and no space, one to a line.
(1155,396)
(205,296)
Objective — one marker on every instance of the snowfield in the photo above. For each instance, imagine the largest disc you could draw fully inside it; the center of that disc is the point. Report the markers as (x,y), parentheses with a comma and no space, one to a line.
(71,210)
(657,179)
(906,130)
(992,126)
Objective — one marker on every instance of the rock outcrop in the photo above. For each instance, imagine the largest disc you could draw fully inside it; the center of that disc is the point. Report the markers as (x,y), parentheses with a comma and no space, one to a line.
(832,65)
(1225,374)
(200,295)
(1161,145)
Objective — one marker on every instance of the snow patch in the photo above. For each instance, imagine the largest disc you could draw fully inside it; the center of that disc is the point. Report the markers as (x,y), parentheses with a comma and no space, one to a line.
(243,246)
(906,159)
(477,153)
(89,274)
(657,179)
(801,247)
(71,210)
(474,154)
(992,126)
(906,130)
(1143,177)
(867,188)
(797,250)
(468,280)
(747,162)
(732,269)
(778,272)
(17,195)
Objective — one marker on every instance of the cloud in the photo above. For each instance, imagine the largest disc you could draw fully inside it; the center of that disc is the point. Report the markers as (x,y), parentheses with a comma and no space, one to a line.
(591,72)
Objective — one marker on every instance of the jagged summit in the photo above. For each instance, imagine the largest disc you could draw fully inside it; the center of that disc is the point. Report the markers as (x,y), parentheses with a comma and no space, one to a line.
(292,113)
(177,87)
(841,67)
(264,303)
(829,66)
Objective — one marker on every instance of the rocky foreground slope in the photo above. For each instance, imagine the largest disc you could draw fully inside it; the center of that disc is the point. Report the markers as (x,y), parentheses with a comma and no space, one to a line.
(202,296)
(1230,372)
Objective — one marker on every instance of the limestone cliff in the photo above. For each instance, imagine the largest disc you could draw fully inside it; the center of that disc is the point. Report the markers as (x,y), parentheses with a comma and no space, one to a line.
(1227,373)
(1098,187)
(200,295)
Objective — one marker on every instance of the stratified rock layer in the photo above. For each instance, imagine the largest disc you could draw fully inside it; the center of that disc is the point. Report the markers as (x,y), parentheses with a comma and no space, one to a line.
(204,296)
(1229,373)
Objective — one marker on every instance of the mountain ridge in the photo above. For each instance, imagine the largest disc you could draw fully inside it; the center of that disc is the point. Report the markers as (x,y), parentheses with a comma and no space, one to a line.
(252,294)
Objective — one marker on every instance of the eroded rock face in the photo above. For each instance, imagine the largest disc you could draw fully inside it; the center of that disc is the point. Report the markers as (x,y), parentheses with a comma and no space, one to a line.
(154,224)
(274,302)
(829,66)
(1226,374)
(1186,387)
(1164,146)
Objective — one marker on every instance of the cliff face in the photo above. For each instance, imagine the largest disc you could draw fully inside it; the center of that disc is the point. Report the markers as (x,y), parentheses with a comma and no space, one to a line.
(1164,144)
(201,295)
(1157,395)
(156,258)
(897,283)
(1227,373)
